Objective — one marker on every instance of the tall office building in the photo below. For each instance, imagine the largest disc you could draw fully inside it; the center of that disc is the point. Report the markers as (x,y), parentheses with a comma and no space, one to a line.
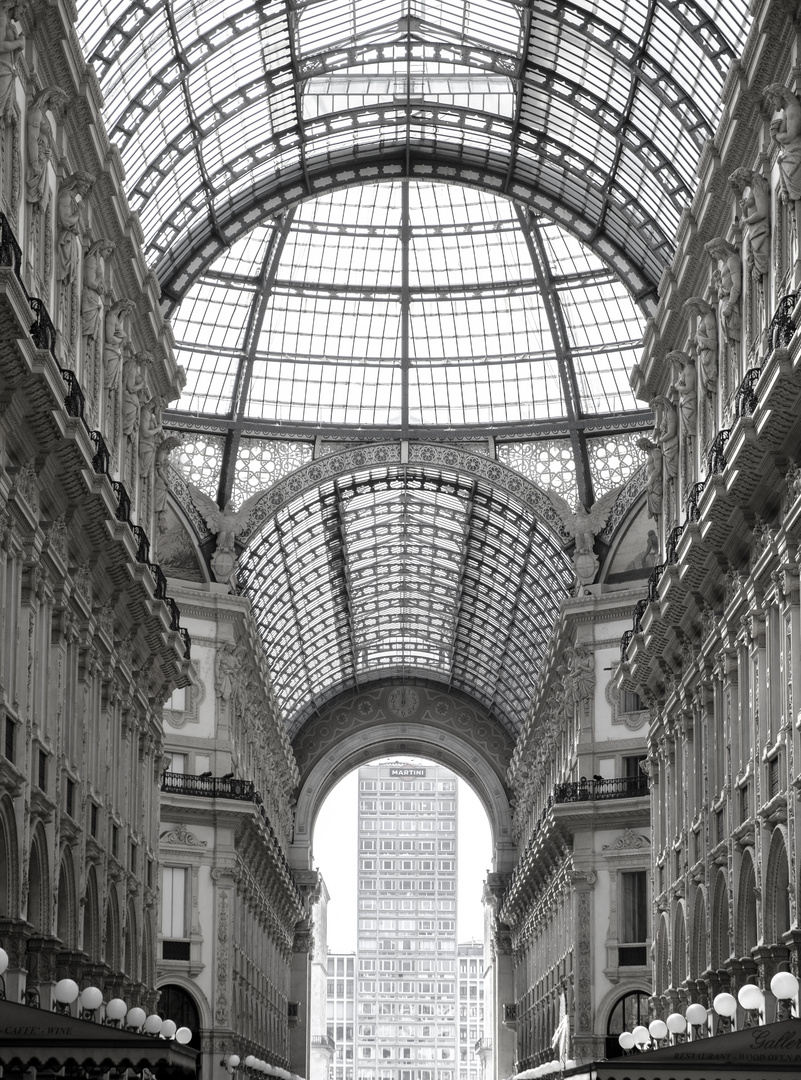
(470,988)
(406,988)
(340,1023)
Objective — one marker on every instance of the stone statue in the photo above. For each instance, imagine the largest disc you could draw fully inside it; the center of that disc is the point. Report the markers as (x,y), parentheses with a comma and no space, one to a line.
(94,289)
(754,196)
(667,434)
(685,384)
(785,130)
(39,142)
(161,484)
(133,383)
(653,479)
(114,338)
(71,194)
(706,341)
(561,1037)
(729,284)
(11,44)
(581,674)
(584,525)
(149,430)
(227,525)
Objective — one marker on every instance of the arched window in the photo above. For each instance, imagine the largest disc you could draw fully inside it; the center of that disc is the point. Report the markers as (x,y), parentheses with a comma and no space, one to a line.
(91,919)
(629,1011)
(746,910)
(9,861)
(66,928)
(131,947)
(38,884)
(177,1004)
(113,932)
(720,923)
(698,957)
(777,898)
(679,947)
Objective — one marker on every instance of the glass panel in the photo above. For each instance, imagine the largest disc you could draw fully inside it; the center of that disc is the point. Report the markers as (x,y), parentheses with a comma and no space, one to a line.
(613,460)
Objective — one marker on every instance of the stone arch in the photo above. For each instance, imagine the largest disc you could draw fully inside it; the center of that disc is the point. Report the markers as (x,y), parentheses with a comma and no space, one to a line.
(746,920)
(39,885)
(67,908)
(699,953)
(679,970)
(777,895)
(148,968)
(325,761)
(113,936)
(91,917)
(662,966)
(9,861)
(622,1009)
(720,922)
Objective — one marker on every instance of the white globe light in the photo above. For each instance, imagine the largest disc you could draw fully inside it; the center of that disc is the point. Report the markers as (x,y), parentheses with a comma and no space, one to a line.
(263,1067)
(751,997)
(570,1064)
(657,1029)
(91,998)
(135,1017)
(626,1040)
(116,1009)
(676,1023)
(168,1029)
(783,985)
(641,1036)
(3,961)
(233,1061)
(66,991)
(696,1014)
(153,1024)
(250,1061)
(725,1005)
(183,1035)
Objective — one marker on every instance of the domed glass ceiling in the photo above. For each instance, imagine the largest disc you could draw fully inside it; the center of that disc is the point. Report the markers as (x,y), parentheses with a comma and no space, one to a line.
(407,306)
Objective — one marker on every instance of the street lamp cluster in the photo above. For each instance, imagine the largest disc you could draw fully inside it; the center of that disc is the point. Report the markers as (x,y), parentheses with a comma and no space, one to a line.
(115,1012)
(695,1022)
(258,1067)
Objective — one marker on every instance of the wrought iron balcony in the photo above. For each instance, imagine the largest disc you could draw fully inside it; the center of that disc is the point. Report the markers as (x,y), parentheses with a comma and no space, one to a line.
(209,787)
(619,787)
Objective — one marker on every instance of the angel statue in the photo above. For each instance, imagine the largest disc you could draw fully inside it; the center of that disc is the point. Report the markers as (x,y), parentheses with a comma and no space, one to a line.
(227,525)
(584,525)
(561,1037)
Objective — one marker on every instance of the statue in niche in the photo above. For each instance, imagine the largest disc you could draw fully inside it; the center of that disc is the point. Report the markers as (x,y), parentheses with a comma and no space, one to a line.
(581,674)
(39,143)
(94,289)
(706,341)
(161,484)
(133,383)
(149,430)
(753,190)
(685,384)
(71,194)
(584,525)
(666,433)
(114,338)
(227,525)
(728,278)
(785,130)
(11,45)
(653,475)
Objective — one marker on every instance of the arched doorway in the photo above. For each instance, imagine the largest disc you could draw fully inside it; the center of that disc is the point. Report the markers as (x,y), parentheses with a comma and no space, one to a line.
(629,1011)
(178,1005)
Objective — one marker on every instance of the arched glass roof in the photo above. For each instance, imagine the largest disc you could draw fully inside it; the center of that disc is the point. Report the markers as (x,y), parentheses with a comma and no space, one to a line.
(408,220)
(593,111)
(404,572)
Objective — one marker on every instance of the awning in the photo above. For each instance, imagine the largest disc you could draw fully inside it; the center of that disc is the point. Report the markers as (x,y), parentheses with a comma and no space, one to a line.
(34,1038)
(769,1052)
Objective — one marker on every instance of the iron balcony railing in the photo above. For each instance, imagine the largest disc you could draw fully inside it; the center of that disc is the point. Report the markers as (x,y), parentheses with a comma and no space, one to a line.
(619,787)
(209,787)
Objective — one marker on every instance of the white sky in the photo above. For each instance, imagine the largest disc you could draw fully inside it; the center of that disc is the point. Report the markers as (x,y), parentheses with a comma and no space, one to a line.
(335,843)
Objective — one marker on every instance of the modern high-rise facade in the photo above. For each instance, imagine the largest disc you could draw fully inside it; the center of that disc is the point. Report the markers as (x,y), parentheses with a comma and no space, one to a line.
(470,989)
(340,1010)
(406,992)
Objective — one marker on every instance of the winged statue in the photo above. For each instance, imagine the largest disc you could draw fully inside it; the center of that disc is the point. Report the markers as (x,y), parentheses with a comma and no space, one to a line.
(584,525)
(226,524)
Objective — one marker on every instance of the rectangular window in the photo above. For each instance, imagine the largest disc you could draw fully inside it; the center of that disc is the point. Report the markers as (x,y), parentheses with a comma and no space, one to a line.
(173,901)
(633,918)
(93,816)
(10,731)
(70,798)
(178,762)
(115,833)
(42,770)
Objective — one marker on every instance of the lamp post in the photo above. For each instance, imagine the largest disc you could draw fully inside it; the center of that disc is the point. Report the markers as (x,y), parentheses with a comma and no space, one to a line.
(752,1001)
(696,1016)
(677,1026)
(784,987)
(725,1005)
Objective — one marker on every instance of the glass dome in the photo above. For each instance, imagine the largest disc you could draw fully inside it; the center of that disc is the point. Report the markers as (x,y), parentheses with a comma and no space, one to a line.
(407,305)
